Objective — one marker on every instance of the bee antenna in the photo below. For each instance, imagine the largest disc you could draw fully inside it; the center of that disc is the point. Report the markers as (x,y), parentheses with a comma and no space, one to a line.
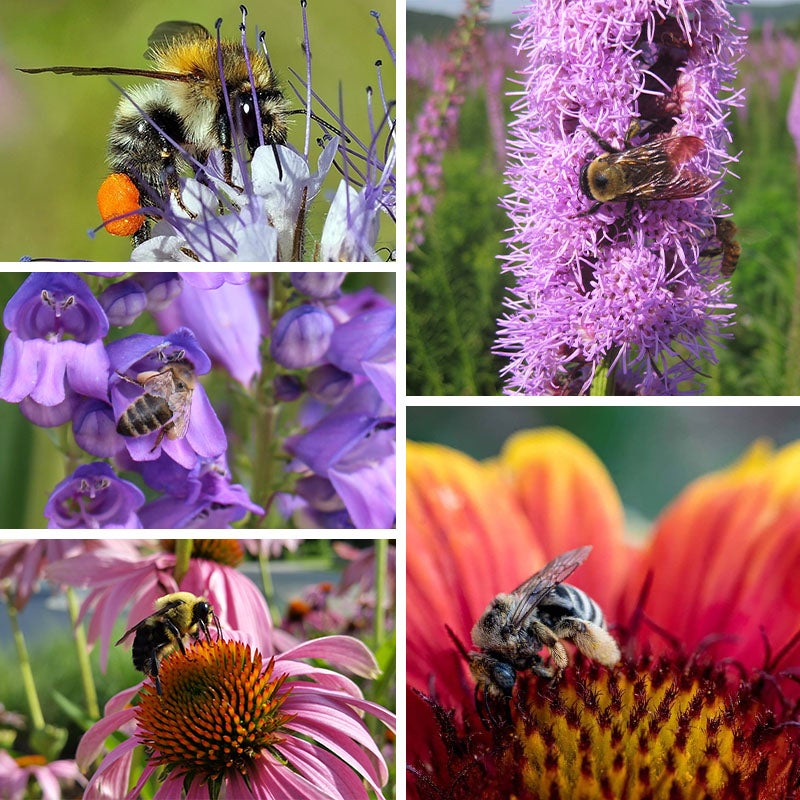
(457,642)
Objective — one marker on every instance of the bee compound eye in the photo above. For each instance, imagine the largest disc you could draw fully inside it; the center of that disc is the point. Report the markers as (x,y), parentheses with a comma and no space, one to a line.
(246,116)
(504,675)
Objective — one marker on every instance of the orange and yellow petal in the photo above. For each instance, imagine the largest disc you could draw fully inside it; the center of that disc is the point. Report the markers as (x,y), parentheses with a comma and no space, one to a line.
(725,558)
(570,500)
(477,529)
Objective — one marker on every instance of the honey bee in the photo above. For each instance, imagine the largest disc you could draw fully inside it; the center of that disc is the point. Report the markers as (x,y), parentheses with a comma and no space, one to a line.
(729,248)
(165,405)
(177,616)
(538,613)
(650,171)
(172,125)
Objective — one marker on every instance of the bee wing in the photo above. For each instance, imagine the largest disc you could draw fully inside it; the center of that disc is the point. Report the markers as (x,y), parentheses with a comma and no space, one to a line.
(160,613)
(164,34)
(159,384)
(533,590)
(181,405)
(684,183)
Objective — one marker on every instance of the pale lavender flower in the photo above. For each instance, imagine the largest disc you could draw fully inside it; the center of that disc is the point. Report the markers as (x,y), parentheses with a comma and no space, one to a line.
(619,295)
(55,349)
(226,320)
(94,497)
(301,337)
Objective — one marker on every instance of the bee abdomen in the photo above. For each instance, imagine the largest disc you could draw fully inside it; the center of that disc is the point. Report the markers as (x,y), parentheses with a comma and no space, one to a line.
(565,600)
(145,415)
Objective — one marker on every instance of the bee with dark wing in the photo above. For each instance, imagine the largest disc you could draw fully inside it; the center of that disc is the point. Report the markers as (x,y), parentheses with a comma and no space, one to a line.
(651,171)
(166,404)
(539,613)
(177,616)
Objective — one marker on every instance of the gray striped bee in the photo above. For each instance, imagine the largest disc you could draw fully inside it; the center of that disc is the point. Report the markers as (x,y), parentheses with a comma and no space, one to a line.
(164,406)
(538,613)
(651,171)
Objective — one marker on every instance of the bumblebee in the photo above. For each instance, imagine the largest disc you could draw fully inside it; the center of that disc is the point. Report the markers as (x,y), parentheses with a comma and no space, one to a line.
(166,404)
(171,126)
(177,616)
(650,171)
(729,248)
(539,613)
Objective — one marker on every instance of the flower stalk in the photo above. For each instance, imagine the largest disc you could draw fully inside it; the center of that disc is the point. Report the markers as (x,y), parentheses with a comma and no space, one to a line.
(26,672)
(82,652)
(183,557)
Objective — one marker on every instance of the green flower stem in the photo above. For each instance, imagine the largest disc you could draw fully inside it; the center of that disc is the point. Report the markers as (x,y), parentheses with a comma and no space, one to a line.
(37,718)
(183,554)
(381,568)
(269,587)
(79,637)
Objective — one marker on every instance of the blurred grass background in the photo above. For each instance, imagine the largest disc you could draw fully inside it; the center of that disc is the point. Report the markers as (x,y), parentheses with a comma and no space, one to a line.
(455,288)
(651,453)
(53,128)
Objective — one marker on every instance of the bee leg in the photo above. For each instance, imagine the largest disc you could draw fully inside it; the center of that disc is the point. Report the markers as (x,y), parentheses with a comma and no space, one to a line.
(592,640)
(165,430)
(226,143)
(558,655)
(607,146)
(592,210)
(633,129)
(128,379)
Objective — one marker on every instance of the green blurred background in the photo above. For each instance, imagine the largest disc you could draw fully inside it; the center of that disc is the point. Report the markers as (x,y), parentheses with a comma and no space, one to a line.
(651,453)
(53,127)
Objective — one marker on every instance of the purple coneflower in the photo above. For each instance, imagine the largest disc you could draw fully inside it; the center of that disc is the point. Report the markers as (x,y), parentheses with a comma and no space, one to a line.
(617,300)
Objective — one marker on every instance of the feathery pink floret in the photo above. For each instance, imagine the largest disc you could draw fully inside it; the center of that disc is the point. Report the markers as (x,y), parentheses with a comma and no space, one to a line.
(624,288)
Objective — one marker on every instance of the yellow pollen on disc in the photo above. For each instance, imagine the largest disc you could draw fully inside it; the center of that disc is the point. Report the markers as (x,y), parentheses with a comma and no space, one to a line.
(217,711)
(628,734)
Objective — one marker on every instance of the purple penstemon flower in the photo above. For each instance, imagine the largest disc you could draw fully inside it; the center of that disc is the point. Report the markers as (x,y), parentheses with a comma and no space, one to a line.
(55,350)
(616,300)
(94,497)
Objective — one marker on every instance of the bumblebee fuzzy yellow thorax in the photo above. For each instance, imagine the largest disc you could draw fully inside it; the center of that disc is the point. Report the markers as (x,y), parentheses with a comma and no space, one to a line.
(198,101)
(602,181)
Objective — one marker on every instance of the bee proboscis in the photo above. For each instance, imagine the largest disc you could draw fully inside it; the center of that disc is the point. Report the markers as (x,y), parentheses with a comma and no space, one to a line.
(651,171)
(538,613)
(166,404)
(177,616)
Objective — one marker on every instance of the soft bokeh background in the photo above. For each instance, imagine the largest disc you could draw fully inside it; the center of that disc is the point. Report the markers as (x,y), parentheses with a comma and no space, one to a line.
(651,453)
(53,128)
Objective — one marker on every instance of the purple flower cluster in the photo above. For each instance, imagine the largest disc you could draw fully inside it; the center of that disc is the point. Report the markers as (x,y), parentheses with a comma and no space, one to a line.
(345,458)
(618,300)
(434,126)
(137,402)
(491,62)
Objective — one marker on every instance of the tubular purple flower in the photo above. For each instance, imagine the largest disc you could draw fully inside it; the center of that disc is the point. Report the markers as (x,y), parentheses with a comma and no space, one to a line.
(353,446)
(301,337)
(365,345)
(328,383)
(39,363)
(94,497)
(226,322)
(317,285)
(161,288)
(95,429)
(617,293)
(123,302)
